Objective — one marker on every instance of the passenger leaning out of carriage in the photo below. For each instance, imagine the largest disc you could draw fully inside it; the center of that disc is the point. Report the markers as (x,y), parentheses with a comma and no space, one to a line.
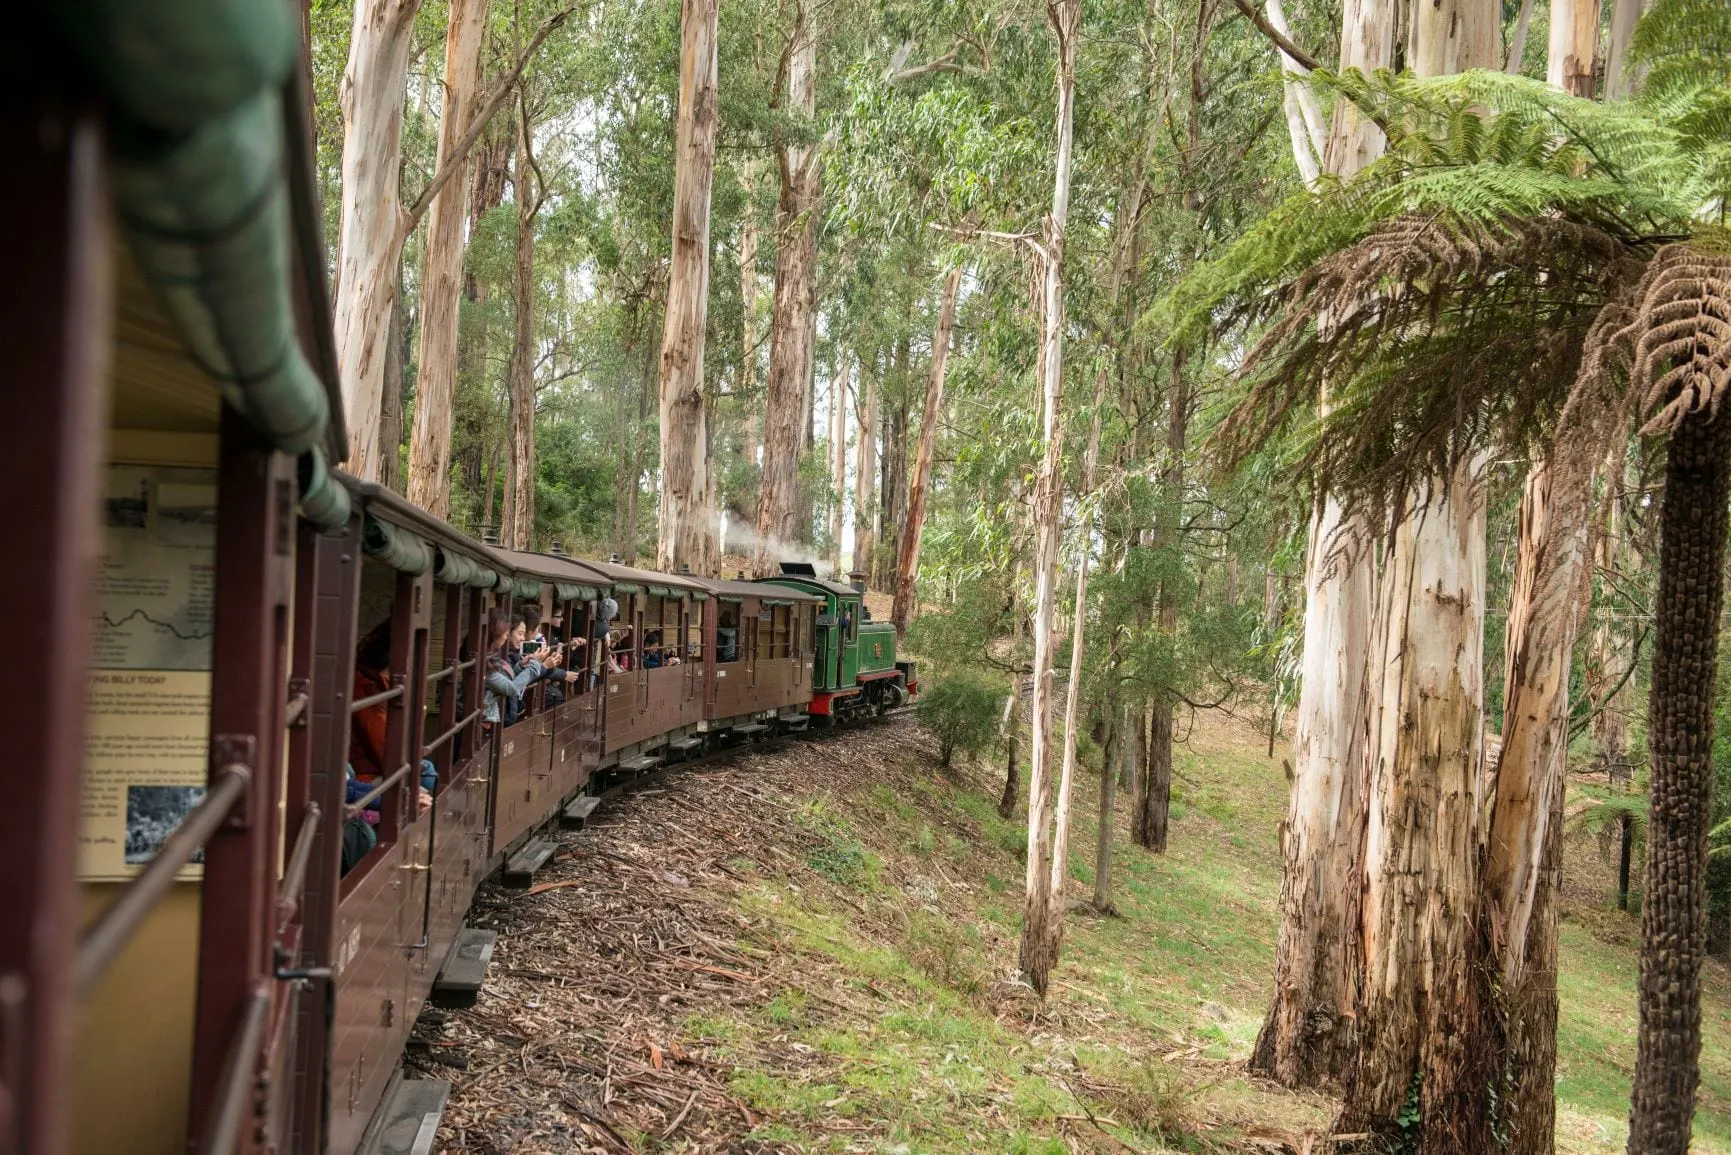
(507,679)
(619,650)
(368,727)
(537,642)
(655,655)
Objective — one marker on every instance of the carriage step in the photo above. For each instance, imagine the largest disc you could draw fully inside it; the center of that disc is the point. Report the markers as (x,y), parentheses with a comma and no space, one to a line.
(750,728)
(574,816)
(520,869)
(689,742)
(408,1119)
(465,969)
(795,721)
(641,764)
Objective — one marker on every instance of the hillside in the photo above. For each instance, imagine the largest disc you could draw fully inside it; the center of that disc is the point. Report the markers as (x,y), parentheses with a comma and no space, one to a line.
(813,949)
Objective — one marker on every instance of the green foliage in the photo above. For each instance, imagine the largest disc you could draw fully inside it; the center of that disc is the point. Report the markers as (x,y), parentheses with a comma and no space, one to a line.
(961,708)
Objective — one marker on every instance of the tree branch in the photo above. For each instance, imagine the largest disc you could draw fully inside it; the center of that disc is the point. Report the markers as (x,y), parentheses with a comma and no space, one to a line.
(945,63)
(1282,42)
(491,101)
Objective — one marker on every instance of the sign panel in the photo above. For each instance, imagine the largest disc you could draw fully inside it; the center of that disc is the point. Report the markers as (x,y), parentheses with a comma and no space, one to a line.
(145,761)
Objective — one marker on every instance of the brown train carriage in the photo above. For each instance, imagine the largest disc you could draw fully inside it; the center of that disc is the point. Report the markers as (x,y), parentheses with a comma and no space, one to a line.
(652,701)
(553,749)
(400,908)
(759,642)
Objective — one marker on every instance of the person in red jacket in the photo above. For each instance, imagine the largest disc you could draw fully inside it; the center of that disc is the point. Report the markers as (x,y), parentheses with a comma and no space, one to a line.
(368,728)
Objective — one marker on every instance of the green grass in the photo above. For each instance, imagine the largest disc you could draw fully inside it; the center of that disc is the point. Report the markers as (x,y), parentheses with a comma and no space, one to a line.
(899,1032)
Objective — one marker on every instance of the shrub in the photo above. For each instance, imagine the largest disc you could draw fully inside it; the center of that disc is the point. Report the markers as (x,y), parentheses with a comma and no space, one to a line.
(962,710)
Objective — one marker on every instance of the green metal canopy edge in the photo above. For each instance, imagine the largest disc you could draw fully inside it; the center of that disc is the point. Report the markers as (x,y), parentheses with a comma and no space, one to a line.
(397,547)
(200,188)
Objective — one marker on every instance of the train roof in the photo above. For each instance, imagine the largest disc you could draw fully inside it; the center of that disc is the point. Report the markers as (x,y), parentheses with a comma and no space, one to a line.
(628,579)
(836,589)
(723,588)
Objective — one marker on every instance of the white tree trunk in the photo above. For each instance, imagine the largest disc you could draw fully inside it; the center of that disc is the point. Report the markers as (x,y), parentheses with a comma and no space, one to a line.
(520,522)
(1037,931)
(865,486)
(1307,1037)
(442,280)
(1574,46)
(686,532)
(370,229)
(793,318)
(1422,845)
(1620,79)
(908,558)
(838,405)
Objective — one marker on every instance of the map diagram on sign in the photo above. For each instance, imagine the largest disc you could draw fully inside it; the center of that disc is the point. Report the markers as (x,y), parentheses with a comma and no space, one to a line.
(155,590)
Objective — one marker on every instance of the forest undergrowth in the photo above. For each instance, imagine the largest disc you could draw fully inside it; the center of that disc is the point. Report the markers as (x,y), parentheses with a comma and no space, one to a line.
(812,948)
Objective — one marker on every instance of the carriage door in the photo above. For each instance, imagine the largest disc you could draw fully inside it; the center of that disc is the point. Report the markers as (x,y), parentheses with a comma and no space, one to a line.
(796,643)
(687,655)
(640,672)
(748,626)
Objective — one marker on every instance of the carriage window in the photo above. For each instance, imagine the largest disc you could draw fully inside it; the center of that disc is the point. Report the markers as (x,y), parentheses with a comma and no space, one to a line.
(727,639)
(694,633)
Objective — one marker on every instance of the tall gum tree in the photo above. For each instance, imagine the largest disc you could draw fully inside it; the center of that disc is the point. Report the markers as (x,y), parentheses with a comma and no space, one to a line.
(1422,843)
(865,511)
(793,316)
(686,532)
(370,216)
(436,366)
(838,405)
(374,224)
(908,556)
(1044,901)
(1523,833)
(1307,1038)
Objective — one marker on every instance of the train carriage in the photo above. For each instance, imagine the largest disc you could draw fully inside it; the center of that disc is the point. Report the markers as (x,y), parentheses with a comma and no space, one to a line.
(759,639)
(651,686)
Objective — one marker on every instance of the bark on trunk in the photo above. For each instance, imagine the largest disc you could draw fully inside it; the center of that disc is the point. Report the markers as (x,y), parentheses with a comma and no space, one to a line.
(391,408)
(1012,772)
(1422,845)
(838,405)
(1574,46)
(1523,842)
(865,512)
(1620,79)
(794,316)
(685,533)
(908,555)
(520,526)
(370,215)
(1156,798)
(895,470)
(1044,901)
(442,277)
(1680,729)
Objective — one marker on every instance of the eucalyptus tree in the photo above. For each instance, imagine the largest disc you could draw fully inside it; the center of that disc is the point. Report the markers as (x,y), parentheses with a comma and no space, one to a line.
(687,535)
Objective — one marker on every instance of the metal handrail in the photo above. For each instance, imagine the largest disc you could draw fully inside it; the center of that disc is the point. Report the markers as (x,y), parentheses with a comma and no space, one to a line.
(427,750)
(444,672)
(229,1109)
(379,788)
(288,894)
(375,699)
(296,708)
(116,926)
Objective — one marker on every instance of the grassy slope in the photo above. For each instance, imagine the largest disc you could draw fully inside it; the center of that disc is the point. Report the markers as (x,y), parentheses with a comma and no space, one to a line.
(894,926)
